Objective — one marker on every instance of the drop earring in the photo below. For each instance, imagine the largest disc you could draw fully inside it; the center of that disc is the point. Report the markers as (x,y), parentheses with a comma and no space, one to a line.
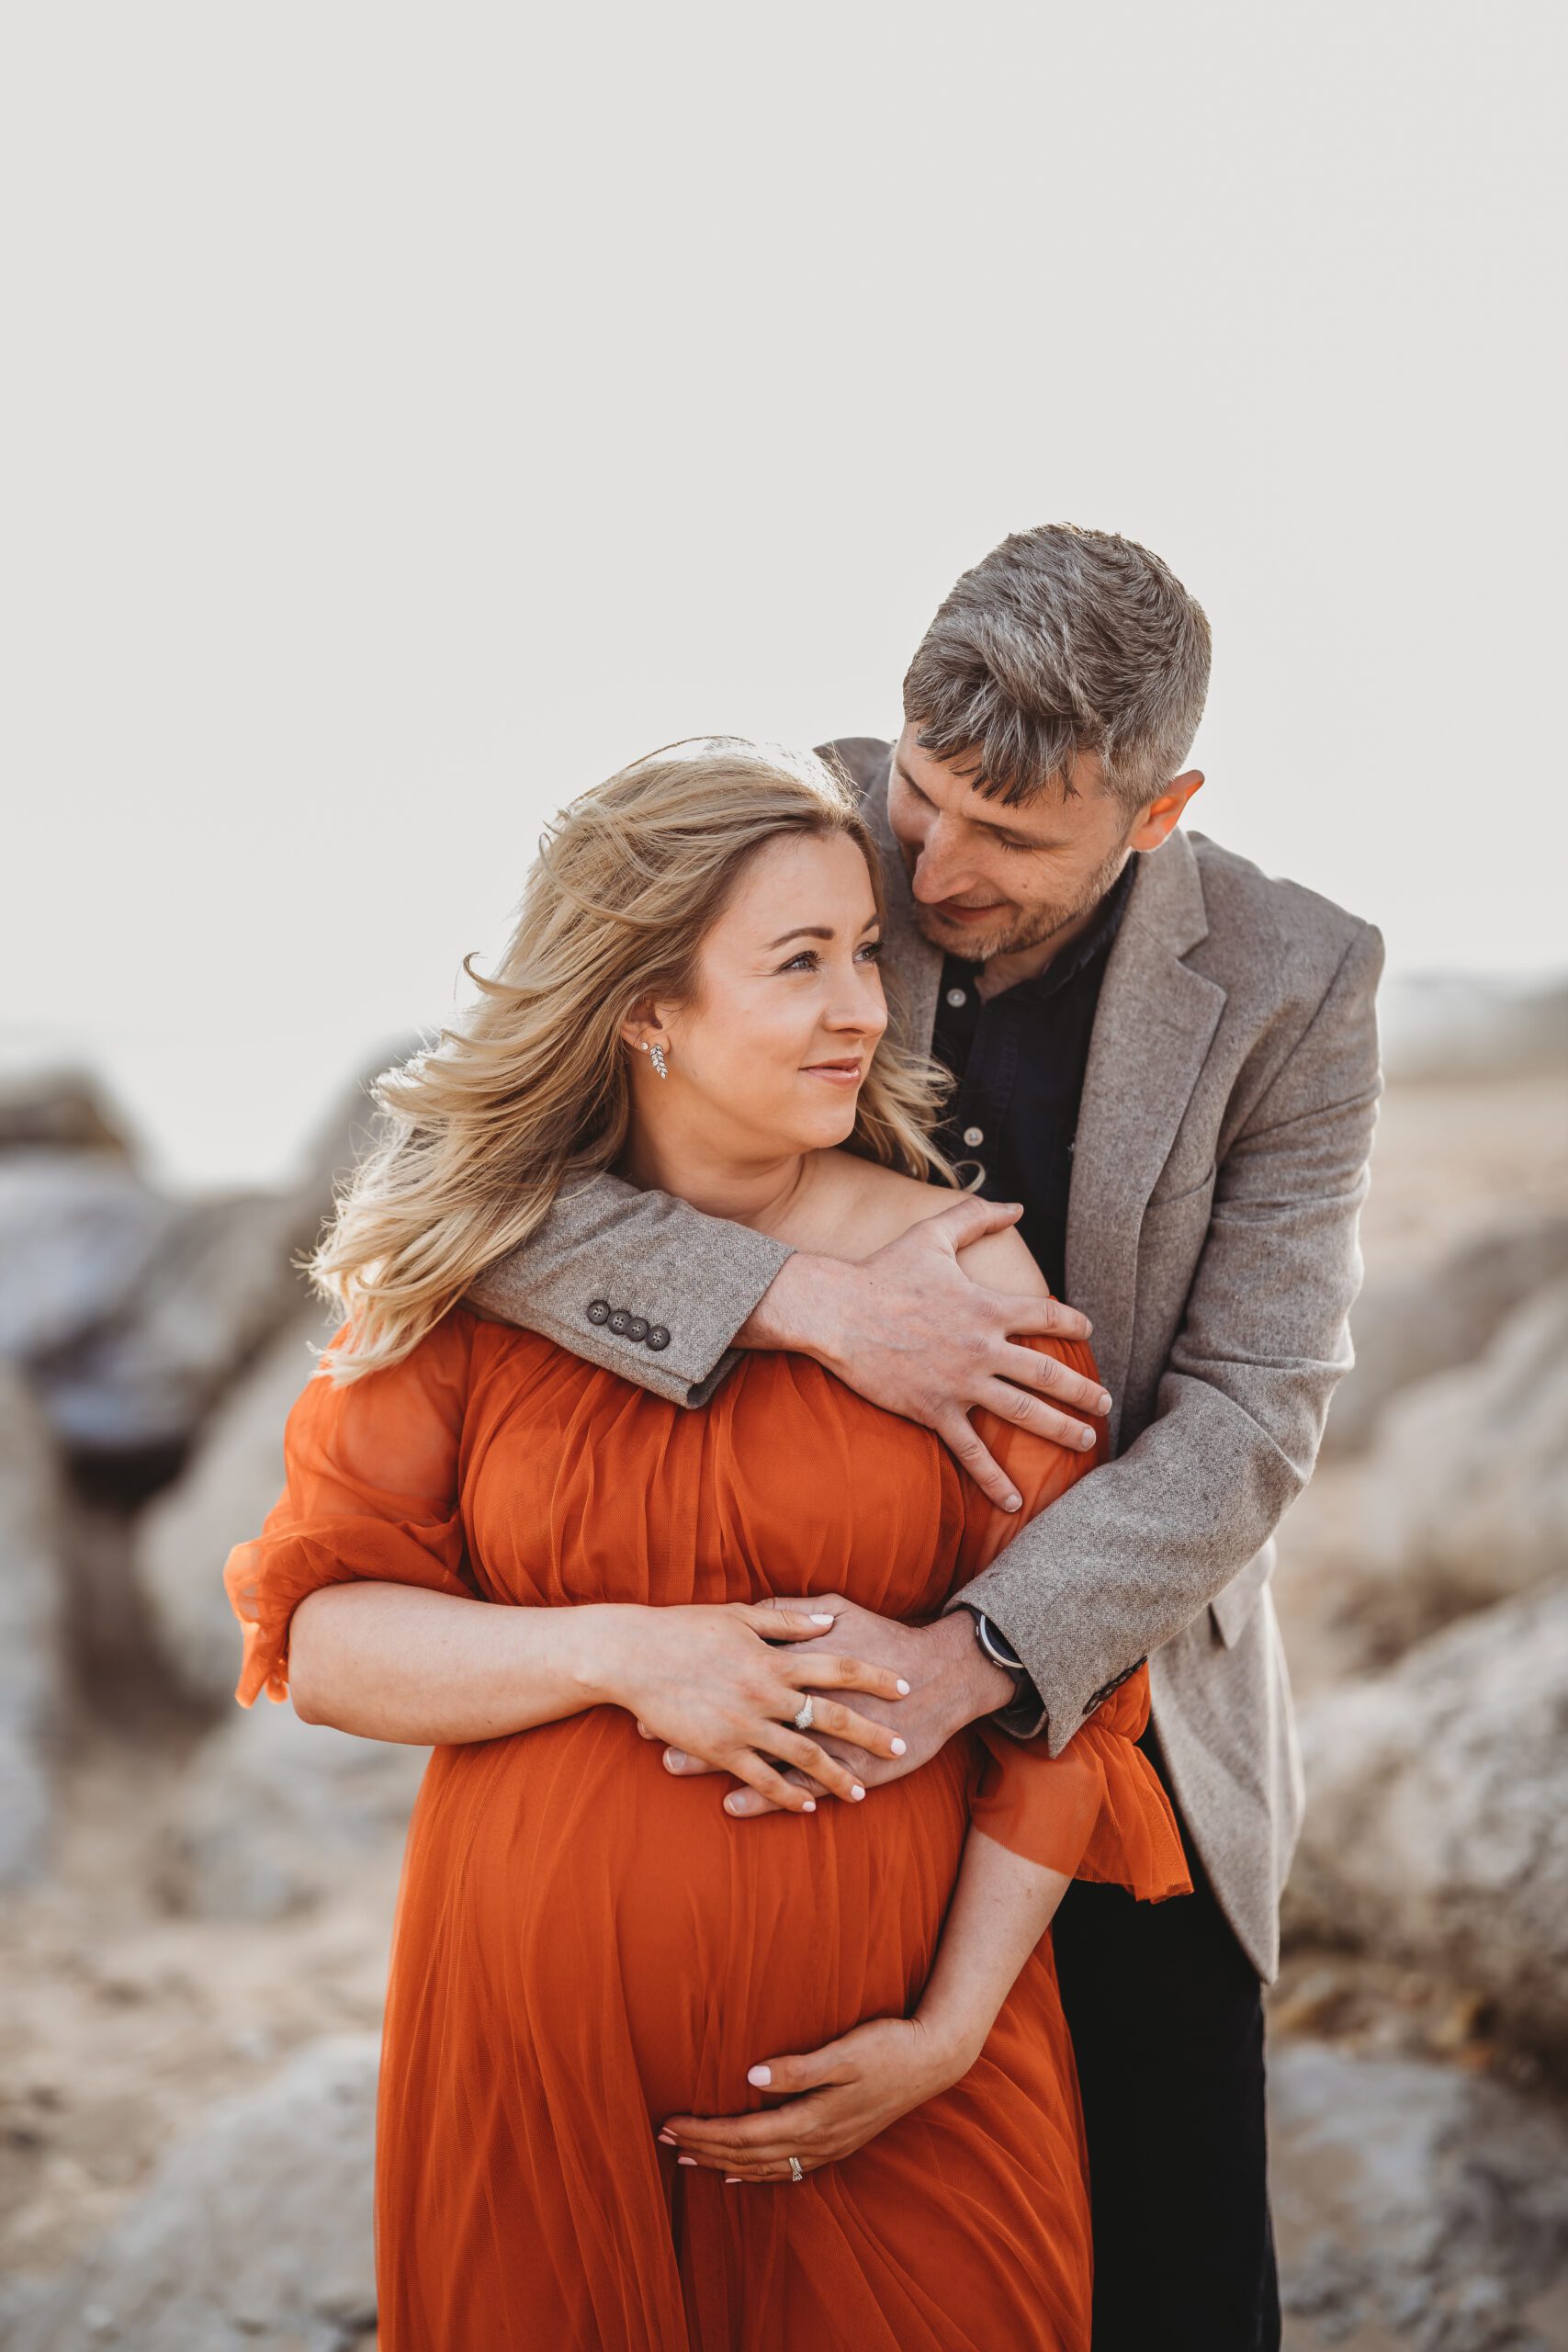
(659,1064)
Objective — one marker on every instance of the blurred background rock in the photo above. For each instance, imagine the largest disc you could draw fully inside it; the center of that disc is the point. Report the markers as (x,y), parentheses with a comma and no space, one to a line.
(199,1898)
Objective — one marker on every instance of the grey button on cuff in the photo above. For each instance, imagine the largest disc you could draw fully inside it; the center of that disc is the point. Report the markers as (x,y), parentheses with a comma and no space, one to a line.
(628,1326)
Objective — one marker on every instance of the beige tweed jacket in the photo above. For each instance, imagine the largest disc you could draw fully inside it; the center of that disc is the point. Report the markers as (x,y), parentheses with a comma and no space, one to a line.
(1219,1167)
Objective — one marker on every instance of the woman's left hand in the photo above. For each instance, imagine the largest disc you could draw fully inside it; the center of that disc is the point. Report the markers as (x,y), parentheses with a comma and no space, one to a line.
(849,2091)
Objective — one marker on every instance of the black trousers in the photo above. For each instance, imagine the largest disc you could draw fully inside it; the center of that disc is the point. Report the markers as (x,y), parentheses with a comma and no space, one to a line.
(1167,2018)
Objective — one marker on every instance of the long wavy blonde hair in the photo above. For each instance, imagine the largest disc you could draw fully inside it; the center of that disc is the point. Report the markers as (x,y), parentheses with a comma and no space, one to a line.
(531,1089)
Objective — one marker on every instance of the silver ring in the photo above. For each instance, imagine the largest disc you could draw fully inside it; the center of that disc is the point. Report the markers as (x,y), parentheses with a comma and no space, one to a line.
(794,2171)
(808,1709)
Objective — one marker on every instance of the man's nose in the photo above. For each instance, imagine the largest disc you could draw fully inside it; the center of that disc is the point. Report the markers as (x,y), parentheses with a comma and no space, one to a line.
(940,871)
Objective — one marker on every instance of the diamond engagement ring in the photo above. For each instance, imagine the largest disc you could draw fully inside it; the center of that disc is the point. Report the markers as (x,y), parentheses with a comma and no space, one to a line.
(794,2171)
(802,1719)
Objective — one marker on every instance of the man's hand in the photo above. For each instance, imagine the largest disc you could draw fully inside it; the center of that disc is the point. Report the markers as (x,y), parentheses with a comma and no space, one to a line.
(909,1330)
(951,1682)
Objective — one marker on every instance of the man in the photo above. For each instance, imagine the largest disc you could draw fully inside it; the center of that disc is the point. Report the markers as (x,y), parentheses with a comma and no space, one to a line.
(1170,1061)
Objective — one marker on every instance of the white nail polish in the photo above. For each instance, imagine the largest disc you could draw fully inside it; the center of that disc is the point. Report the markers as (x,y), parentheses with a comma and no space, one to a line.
(761,2076)
(857,1792)
(899,1747)
(903,1688)
(810,1805)
(821,1617)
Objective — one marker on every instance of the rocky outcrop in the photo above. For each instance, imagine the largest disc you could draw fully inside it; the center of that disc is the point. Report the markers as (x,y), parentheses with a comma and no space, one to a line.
(275,1807)
(253,2235)
(1436,1820)
(185,1535)
(31,1656)
(1408,1327)
(1466,1490)
(1415,2205)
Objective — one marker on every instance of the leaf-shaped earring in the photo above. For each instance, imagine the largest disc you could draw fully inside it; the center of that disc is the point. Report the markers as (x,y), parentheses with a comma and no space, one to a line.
(659,1064)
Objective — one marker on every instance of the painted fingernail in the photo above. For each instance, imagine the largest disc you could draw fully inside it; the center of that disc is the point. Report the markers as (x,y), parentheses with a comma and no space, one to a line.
(899,1747)
(903,1688)
(732,2179)
(761,2076)
(810,1805)
(821,1616)
(685,2160)
(667,2138)
(857,1792)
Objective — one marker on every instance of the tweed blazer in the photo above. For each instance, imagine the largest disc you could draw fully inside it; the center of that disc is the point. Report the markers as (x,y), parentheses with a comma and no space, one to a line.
(1219,1170)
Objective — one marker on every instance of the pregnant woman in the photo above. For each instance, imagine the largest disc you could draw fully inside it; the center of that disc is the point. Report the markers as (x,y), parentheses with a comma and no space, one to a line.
(546,1572)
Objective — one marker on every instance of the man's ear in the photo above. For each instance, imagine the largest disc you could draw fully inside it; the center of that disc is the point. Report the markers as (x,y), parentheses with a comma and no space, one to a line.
(1161,816)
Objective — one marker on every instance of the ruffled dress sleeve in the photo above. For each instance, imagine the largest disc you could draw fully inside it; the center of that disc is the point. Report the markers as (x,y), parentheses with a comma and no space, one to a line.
(371,1490)
(1098,1810)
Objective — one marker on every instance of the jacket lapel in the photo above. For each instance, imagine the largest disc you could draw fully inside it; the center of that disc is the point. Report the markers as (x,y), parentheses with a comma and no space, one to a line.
(916,963)
(1152,1030)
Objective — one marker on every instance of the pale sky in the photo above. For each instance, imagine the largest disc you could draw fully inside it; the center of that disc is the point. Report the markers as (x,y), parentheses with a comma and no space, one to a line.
(414,415)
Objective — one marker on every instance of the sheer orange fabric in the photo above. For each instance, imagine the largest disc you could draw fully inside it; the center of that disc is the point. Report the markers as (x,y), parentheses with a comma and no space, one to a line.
(584,1945)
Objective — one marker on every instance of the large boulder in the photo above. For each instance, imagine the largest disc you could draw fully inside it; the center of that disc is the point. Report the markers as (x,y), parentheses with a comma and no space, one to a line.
(1413,1325)
(1437,1818)
(185,1535)
(59,1110)
(1464,1496)
(31,1658)
(256,2234)
(275,1809)
(134,1313)
(1415,2205)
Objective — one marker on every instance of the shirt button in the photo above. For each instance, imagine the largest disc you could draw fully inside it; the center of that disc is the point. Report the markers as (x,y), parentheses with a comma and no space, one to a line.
(974,1134)
(599,1311)
(956,996)
(657,1336)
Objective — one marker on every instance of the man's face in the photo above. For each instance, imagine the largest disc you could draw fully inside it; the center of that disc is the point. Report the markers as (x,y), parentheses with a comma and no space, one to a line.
(991,880)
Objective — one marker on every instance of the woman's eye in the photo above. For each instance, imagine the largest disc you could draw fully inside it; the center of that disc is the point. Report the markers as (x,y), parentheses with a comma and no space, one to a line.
(873,950)
(804,962)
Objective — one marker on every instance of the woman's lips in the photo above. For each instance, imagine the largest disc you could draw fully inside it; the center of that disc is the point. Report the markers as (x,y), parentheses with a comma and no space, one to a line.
(837,1073)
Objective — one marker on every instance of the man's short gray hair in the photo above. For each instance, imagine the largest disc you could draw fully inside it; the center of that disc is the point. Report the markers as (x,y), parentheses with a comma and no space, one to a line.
(1063,642)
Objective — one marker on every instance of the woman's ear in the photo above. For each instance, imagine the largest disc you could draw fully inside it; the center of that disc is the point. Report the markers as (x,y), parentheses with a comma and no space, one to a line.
(639,1025)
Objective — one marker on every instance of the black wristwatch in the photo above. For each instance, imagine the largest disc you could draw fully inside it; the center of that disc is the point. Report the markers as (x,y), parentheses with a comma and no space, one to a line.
(1025,1714)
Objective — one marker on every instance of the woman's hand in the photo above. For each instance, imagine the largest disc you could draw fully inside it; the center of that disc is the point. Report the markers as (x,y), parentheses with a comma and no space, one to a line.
(723,1681)
(850,2090)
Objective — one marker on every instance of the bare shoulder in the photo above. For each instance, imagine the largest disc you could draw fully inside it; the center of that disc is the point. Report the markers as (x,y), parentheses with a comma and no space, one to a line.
(869,1205)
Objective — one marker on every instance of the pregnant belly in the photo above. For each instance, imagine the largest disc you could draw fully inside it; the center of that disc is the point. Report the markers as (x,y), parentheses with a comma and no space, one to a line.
(563,1886)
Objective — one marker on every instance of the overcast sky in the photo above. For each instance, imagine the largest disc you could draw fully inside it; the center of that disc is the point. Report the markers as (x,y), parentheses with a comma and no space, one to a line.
(415,413)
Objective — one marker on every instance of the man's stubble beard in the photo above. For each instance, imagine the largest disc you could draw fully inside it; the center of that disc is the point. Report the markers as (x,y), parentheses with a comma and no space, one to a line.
(1038,925)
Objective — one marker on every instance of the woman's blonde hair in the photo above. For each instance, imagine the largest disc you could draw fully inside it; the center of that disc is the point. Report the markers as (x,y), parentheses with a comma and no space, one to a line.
(532,1088)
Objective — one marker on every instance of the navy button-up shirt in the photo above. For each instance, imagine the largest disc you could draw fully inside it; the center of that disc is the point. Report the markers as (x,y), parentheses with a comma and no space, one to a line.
(1020,1059)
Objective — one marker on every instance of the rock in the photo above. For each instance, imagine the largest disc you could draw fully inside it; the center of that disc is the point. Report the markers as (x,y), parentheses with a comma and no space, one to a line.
(255,2231)
(1414,1325)
(185,1535)
(1416,2204)
(1437,1815)
(275,1807)
(31,1655)
(78,1232)
(1465,1493)
(64,1110)
(150,1307)
(215,1287)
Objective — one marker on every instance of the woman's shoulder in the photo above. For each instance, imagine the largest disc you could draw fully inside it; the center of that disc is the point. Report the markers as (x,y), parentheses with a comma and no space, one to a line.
(876,1205)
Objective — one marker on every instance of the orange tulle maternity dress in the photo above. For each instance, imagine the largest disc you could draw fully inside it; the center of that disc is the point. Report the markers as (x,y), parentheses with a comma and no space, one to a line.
(583,1944)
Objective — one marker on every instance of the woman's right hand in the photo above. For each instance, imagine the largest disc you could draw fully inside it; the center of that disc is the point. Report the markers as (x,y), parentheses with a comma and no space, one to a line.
(724,1682)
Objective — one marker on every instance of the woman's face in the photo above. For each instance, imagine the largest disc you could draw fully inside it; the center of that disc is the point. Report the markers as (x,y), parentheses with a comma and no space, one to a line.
(771,1053)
